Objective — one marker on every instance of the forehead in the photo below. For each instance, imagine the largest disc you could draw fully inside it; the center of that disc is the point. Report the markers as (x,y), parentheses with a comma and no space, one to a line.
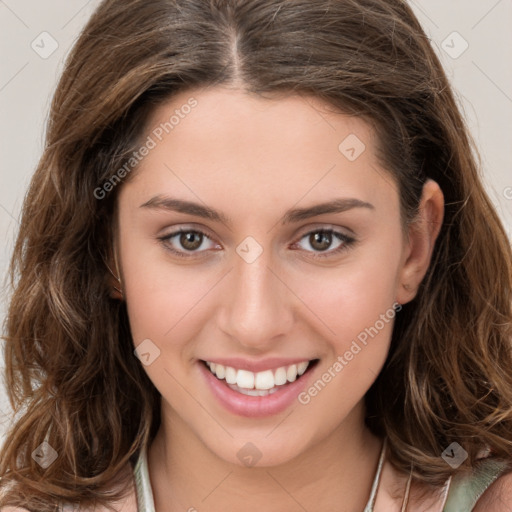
(277,120)
(227,143)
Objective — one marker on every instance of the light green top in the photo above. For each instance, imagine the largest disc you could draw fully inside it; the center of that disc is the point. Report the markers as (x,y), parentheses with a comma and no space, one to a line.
(463,493)
(466,490)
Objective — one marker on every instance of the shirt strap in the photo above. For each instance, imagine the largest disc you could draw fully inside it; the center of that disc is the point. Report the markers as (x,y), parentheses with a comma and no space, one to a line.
(465,490)
(145,501)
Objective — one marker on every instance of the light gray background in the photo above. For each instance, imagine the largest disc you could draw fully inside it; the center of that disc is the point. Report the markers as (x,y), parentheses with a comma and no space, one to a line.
(481,75)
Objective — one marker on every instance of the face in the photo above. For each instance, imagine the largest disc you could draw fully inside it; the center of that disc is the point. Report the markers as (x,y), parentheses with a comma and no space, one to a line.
(261,236)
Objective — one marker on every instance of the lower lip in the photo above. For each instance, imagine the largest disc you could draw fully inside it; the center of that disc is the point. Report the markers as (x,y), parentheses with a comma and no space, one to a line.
(254,406)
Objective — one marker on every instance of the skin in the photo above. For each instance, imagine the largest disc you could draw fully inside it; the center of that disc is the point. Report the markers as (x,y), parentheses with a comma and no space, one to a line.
(253,159)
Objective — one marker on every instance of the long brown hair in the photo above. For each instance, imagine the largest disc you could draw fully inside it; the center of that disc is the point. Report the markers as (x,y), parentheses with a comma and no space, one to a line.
(71,373)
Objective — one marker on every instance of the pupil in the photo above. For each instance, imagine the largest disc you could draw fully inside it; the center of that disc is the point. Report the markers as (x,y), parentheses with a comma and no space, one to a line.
(321,235)
(187,240)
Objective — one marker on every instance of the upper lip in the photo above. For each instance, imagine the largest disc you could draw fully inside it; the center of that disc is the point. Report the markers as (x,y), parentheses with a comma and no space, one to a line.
(255,366)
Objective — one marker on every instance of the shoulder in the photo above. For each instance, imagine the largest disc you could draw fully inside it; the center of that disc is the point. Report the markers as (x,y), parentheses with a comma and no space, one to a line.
(498,497)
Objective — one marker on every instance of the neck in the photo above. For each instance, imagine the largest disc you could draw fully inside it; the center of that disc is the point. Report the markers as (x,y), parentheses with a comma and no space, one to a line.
(334,474)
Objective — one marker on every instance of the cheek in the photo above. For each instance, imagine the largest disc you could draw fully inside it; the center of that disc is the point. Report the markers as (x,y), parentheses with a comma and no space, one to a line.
(356,308)
(165,302)
(165,306)
(352,297)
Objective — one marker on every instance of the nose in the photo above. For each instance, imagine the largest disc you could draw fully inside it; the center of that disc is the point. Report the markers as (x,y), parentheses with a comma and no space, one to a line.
(257,307)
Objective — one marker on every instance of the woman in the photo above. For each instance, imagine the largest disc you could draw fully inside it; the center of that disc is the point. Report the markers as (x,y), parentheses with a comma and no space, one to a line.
(257,269)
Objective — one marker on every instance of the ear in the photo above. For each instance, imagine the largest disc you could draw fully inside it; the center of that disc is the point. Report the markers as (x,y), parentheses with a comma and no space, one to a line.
(423,232)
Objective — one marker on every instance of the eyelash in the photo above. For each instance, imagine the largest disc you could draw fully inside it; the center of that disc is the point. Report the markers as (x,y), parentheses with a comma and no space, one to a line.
(347,242)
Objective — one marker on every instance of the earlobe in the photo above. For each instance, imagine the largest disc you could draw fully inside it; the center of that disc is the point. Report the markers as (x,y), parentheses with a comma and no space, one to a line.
(423,233)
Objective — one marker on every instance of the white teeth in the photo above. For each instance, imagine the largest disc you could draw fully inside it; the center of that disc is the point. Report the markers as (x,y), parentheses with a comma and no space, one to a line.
(245,379)
(280,376)
(291,373)
(230,375)
(220,371)
(254,392)
(301,367)
(264,380)
(260,383)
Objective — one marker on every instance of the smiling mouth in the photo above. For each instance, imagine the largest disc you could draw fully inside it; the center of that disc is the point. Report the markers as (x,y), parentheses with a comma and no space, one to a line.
(261,383)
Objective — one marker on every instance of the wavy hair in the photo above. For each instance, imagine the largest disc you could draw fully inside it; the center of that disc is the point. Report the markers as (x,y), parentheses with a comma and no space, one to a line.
(72,378)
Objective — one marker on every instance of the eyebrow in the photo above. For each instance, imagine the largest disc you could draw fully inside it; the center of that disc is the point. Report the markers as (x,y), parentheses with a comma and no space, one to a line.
(339,205)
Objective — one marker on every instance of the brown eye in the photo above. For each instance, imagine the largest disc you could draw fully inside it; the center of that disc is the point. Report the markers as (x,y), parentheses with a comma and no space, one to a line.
(320,240)
(324,243)
(187,242)
(191,240)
